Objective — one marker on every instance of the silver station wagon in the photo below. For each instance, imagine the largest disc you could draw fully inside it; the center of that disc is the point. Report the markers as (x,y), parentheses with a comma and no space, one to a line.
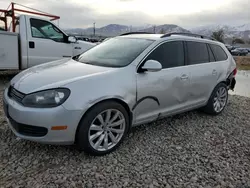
(93,100)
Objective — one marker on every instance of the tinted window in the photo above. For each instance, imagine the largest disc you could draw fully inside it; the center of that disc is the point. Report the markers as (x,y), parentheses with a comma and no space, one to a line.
(115,52)
(170,54)
(219,53)
(211,55)
(197,53)
(44,29)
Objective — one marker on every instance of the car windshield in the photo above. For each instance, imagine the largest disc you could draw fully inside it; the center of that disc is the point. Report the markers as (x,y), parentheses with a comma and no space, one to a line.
(115,52)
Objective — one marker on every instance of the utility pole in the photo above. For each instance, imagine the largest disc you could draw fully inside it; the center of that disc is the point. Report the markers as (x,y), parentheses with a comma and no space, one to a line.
(94,28)
(154,28)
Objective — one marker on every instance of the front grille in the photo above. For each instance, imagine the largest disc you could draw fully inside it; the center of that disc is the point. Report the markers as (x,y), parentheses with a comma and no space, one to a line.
(15,95)
(28,130)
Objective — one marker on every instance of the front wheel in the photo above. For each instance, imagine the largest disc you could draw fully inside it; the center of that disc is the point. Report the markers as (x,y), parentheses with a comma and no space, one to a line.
(217,100)
(103,128)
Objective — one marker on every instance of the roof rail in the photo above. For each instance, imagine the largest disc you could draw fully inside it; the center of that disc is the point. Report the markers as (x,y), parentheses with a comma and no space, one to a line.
(132,33)
(187,34)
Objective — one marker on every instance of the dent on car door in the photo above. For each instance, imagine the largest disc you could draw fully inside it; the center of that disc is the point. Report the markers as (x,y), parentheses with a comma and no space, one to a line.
(163,92)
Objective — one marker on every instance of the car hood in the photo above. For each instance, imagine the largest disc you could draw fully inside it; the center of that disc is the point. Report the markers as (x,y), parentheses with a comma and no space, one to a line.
(54,74)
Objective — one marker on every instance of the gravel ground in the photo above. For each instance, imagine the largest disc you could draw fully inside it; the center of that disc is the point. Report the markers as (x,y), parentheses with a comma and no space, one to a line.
(187,150)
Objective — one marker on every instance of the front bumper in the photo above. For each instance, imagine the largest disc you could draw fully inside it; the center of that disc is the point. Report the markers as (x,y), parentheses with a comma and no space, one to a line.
(35,124)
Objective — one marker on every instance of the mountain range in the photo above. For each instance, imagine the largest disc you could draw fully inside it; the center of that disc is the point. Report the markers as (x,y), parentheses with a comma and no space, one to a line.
(116,29)
(241,31)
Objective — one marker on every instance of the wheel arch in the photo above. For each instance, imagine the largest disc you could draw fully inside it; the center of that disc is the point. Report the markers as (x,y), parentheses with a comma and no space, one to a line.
(118,100)
(221,82)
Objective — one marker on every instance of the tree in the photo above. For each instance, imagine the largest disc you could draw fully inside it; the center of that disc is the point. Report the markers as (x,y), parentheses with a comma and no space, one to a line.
(162,31)
(238,41)
(218,35)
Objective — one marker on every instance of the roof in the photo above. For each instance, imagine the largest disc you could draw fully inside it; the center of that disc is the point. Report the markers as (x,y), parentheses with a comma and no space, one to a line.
(172,36)
(144,36)
(158,37)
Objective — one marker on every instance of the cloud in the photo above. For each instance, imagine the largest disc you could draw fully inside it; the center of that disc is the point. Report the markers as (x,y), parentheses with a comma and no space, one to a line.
(231,14)
(80,15)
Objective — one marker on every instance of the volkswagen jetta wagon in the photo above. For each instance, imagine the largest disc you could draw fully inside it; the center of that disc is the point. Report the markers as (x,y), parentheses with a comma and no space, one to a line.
(93,100)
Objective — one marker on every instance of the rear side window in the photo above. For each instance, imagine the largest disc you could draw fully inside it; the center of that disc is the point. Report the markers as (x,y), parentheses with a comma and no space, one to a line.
(169,54)
(197,53)
(219,53)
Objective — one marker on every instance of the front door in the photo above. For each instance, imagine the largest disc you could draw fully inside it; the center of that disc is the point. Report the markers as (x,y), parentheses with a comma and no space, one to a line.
(46,42)
(163,92)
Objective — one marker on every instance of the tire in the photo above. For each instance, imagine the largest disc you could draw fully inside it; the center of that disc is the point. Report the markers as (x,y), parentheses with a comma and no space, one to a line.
(91,127)
(213,109)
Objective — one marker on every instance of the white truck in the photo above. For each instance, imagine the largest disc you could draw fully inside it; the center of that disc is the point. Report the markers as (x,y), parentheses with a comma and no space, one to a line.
(37,41)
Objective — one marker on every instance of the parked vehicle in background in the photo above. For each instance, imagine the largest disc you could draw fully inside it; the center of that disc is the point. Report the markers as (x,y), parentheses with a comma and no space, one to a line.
(82,38)
(239,52)
(229,47)
(103,40)
(95,99)
(34,41)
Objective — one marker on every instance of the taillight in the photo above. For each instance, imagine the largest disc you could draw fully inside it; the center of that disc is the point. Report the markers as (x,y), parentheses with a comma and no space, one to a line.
(235,71)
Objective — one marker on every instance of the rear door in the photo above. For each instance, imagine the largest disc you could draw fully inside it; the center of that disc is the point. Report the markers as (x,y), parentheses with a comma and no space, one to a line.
(163,92)
(222,63)
(46,42)
(203,71)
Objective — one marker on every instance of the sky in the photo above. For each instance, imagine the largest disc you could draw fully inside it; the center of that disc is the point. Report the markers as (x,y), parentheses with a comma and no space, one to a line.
(185,13)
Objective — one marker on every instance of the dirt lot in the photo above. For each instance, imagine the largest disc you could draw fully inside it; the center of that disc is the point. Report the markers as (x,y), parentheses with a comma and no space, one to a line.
(243,62)
(188,150)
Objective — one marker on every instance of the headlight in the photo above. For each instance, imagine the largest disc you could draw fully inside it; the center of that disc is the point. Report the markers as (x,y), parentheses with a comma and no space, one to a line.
(46,98)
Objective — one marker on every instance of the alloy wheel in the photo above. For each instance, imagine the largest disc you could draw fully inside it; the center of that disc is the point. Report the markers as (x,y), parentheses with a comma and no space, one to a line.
(220,99)
(106,130)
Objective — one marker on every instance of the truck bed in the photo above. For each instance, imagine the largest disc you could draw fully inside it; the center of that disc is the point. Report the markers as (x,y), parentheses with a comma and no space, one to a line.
(9,50)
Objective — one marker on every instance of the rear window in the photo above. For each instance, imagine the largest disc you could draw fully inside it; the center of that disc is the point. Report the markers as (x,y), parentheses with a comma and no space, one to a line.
(219,53)
(197,53)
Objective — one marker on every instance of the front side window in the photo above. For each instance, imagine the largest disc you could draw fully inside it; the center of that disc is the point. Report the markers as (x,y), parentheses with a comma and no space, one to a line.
(197,53)
(169,54)
(46,30)
(115,52)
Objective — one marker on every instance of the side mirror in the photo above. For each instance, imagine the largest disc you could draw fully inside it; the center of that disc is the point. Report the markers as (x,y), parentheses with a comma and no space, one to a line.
(151,66)
(72,39)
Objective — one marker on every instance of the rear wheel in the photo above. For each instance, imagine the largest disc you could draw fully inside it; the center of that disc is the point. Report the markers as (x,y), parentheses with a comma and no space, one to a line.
(103,128)
(217,100)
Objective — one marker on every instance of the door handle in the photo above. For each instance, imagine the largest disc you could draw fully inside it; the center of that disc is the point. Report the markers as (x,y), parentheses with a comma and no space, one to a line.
(184,77)
(31,44)
(78,48)
(214,72)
